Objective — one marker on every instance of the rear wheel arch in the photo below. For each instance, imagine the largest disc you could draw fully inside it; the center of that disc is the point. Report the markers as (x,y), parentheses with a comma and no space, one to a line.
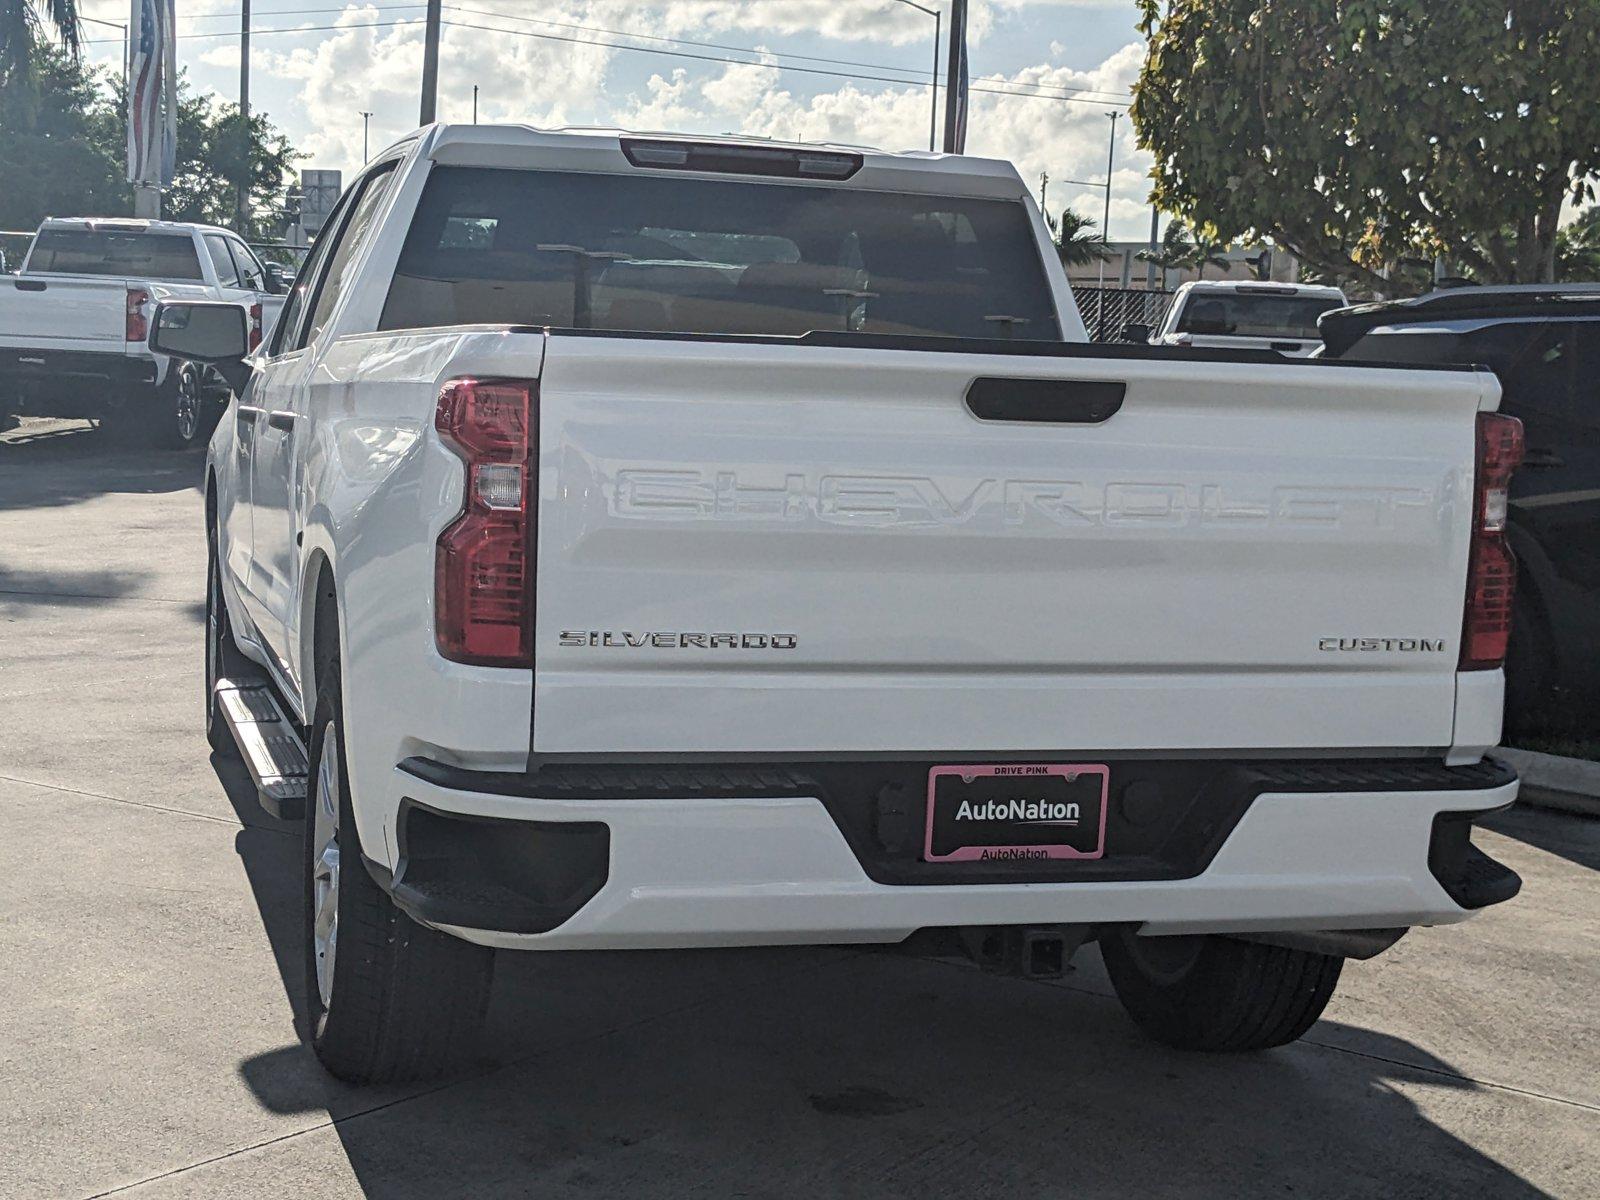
(211,501)
(319,626)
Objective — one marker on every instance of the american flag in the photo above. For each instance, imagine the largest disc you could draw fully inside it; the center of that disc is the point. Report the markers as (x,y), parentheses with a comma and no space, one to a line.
(153,94)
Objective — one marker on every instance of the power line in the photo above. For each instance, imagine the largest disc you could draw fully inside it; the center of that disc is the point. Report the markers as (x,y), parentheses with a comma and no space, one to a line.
(771,66)
(1047,91)
(646,37)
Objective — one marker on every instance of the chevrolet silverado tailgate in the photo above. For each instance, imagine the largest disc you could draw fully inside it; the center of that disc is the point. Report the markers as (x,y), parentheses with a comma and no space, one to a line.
(785,548)
(63,312)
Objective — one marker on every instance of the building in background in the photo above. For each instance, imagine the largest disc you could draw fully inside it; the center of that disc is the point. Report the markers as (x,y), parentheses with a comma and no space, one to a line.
(319,192)
(1125,269)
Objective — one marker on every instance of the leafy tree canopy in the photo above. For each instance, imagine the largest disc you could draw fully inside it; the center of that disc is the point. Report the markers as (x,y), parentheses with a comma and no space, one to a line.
(63,153)
(1363,133)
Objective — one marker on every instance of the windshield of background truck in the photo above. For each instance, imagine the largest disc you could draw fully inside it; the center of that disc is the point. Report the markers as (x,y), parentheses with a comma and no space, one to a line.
(1244,315)
(115,252)
(644,253)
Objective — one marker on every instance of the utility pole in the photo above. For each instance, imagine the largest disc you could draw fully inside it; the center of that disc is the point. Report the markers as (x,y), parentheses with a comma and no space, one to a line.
(474,104)
(430,64)
(366,121)
(242,218)
(955,96)
(1044,182)
(1105,226)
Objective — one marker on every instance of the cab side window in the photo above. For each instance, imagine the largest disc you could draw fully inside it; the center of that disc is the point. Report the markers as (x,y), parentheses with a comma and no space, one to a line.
(334,277)
(252,274)
(217,247)
(290,333)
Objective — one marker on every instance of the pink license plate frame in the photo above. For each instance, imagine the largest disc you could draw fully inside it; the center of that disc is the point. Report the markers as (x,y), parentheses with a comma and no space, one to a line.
(1020,770)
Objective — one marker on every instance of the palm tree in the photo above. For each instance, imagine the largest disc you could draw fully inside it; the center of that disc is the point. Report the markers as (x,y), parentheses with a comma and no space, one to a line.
(1180,251)
(1076,240)
(1177,250)
(22,24)
(1210,254)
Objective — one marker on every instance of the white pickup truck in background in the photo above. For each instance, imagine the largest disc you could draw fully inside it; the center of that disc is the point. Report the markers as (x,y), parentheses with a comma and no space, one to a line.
(1234,315)
(627,541)
(74,320)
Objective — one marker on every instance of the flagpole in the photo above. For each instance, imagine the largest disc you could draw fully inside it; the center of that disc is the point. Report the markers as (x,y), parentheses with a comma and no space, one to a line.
(242,220)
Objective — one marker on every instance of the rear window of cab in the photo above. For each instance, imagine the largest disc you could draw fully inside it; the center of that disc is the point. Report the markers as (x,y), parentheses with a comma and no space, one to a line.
(115,252)
(717,256)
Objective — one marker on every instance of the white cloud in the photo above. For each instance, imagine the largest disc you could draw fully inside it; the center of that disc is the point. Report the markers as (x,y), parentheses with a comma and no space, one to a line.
(1067,139)
(332,75)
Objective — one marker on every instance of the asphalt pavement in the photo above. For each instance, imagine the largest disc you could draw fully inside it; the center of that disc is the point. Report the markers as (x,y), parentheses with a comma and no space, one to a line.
(149,952)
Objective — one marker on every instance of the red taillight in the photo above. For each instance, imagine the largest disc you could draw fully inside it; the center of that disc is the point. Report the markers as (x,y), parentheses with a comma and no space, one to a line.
(1491,567)
(138,328)
(255,326)
(483,575)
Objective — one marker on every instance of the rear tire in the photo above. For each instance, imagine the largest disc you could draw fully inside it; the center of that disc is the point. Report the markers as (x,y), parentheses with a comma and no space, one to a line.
(1216,994)
(1528,666)
(387,1000)
(185,410)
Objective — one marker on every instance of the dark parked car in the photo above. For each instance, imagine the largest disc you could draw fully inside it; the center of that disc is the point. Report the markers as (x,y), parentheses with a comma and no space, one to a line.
(1543,341)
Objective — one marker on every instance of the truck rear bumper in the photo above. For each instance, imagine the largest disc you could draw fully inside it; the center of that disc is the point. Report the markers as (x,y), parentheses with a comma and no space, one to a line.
(522,871)
(50,382)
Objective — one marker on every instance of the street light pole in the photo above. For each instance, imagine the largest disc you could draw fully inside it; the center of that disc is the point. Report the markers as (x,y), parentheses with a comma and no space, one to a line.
(127,52)
(1105,225)
(474,104)
(430,64)
(938,22)
(366,120)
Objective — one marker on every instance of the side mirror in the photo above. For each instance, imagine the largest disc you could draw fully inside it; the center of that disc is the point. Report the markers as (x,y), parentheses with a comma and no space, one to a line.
(1136,332)
(276,284)
(204,331)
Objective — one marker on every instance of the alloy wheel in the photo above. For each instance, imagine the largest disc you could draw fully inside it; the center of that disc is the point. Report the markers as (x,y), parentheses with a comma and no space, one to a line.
(325,866)
(191,398)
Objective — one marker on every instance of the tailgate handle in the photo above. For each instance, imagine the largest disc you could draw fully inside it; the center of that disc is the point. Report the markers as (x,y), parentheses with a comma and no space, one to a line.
(30,285)
(1058,401)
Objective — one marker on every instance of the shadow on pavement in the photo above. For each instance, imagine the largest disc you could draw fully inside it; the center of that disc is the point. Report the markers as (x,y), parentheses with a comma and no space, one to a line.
(270,852)
(828,1072)
(1567,835)
(48,463)
(24,589)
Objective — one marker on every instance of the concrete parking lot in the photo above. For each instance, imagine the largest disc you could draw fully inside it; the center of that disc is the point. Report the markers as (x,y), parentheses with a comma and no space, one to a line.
(149,942)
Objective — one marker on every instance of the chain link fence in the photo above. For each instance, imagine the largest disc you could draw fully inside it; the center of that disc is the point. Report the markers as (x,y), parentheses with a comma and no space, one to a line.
(1108,311)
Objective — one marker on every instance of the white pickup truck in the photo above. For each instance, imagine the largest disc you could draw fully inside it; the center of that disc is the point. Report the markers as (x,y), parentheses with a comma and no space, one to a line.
(74,320)
(665,543)
(1222,314)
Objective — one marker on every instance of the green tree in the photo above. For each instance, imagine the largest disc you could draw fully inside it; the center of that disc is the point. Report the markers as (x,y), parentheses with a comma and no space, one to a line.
(1209,253)
(1176,251)
(1578,249)
(1077,242)
(53,156)
(211,163)
(1361,133)
(63,152)
(22,28)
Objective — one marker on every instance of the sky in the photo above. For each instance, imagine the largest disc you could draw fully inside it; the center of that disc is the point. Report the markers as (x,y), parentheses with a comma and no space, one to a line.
(316,65)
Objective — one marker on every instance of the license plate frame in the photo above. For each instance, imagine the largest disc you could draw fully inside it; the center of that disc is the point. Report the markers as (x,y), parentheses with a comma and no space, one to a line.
(1066,811)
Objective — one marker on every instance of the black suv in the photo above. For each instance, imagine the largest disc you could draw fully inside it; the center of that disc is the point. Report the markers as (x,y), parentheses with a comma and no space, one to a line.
(1543,341)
